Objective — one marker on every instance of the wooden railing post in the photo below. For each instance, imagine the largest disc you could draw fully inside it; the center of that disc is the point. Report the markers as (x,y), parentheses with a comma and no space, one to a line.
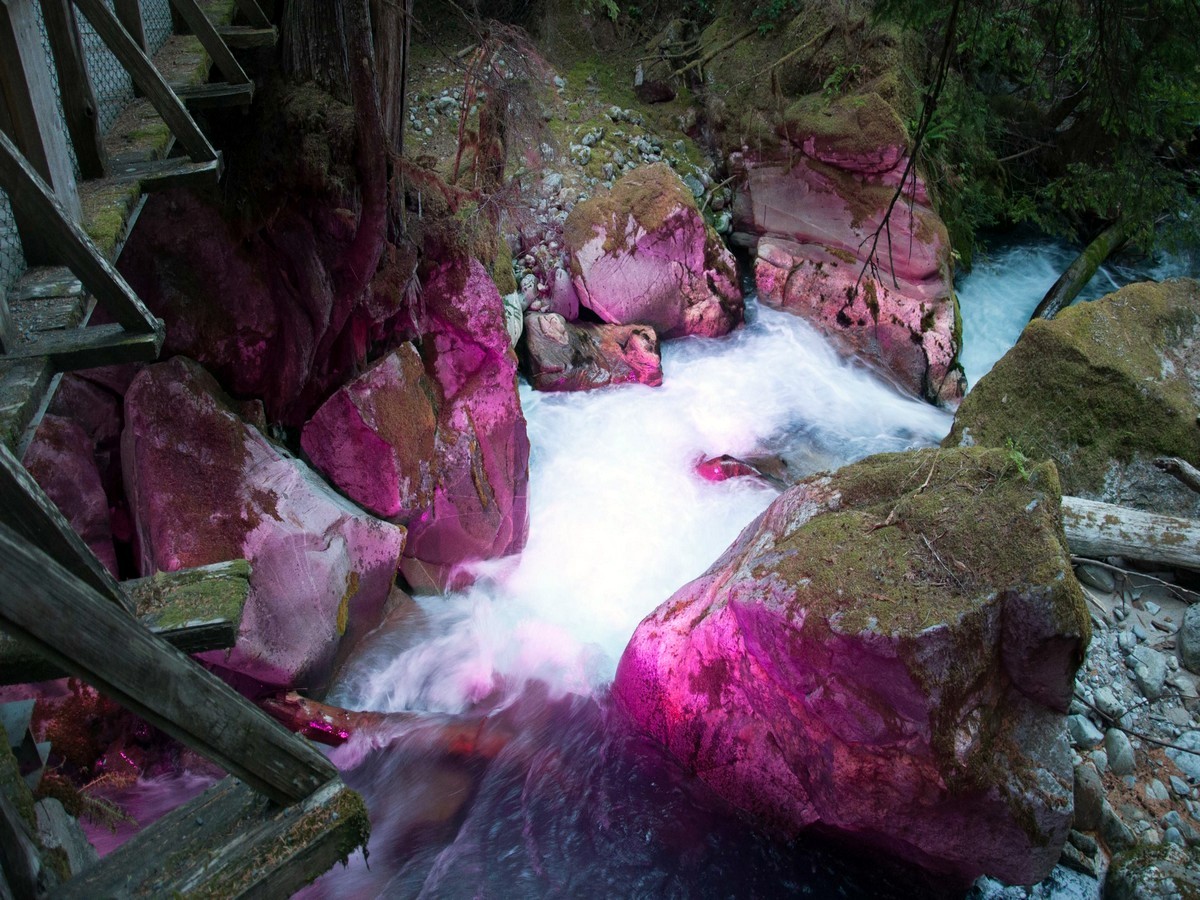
(62,617)
(129,14)
(8,331)
(212,42)
(28,109)
(75,88)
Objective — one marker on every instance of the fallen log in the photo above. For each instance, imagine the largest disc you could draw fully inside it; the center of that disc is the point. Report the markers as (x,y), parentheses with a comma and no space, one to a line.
(1180,469)
(1094,529)
(1080,272)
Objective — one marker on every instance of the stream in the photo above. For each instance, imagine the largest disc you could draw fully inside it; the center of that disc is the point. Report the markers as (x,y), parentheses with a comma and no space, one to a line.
(576,803)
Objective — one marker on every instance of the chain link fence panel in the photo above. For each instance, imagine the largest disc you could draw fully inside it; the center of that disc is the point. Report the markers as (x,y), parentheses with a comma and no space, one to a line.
(12,257)
(111,84)
(156,20)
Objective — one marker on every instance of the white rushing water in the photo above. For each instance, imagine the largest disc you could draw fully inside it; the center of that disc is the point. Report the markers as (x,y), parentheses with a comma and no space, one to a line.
(618,518)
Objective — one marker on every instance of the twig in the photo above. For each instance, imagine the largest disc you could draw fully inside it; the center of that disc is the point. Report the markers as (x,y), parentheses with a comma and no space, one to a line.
(1114,723)
(712,54)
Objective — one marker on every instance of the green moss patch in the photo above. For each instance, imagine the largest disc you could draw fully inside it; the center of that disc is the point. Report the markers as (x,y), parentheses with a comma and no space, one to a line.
(854,125)
(1104,381)
(924,538)
(648,194)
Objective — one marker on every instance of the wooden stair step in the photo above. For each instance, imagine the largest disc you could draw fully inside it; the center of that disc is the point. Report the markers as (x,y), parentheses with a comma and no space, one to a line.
(83,348)
(215,95)
(247,37)
(194,610)
(177,171)
(46,281)
(231,842)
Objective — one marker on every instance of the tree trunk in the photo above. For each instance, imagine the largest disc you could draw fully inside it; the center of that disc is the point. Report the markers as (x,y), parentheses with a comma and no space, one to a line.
(1072,281)
(1098,530)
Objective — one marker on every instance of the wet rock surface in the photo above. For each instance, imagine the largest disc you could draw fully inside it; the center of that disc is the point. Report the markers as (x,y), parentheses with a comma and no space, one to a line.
(562,356)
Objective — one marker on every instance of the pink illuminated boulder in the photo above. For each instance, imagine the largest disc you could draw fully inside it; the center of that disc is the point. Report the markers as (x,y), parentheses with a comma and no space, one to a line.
(204,486)
(813,217)
(564,356)
(887,653)
(642,254)
(60,460)
(437,444)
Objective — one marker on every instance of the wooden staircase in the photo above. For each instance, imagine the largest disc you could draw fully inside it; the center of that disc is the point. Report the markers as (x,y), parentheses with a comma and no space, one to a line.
(283,816)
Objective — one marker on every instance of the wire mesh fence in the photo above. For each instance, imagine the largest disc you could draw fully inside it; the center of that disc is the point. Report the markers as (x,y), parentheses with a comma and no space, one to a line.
(110,82)
(12,257)
(156,19)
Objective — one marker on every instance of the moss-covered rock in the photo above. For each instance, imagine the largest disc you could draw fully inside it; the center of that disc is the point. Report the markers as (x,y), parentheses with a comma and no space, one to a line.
(1101,390)
(1147,872)
(643,254)
(886,652)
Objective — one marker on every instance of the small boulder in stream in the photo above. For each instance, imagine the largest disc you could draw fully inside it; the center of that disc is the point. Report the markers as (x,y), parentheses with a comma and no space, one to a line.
(643,254)
(205,486)
(578,356)
(887,653)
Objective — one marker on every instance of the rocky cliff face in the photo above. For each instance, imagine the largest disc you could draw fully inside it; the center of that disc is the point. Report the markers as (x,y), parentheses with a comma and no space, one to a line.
(887,652)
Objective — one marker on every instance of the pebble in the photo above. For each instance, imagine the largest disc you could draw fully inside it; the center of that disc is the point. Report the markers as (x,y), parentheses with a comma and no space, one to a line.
(1100,761)
(1174,836)
(1095,577)
(1149,671)
(1120,752)
(1126,640)
(1156,790)
(552,184)
(592,138)
(1083,733)
(1151,607)
(1180,787)
(560,82)
(1139,632)
(1106,701)
(1187,763)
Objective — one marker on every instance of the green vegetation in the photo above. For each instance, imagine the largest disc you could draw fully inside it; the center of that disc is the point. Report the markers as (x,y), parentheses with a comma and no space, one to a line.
(1067,115)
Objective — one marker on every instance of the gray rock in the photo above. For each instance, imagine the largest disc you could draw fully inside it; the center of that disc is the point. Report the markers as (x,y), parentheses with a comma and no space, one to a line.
(552,184)
(1180,787)
(1126,641)
(593,137)
(1167,871)
(1120,752)
(1100,761)
(1106,701)
(1174,836)
(1151,607)
(694,185)
(1149,671)
(1187,763)
(1139,632)
(1073,858)
(1095,577)
(1117,835)
(581,154)
(1156,790)
(616,113)
(1089,798)
(1083,733)
(1189,639)
(1085,842)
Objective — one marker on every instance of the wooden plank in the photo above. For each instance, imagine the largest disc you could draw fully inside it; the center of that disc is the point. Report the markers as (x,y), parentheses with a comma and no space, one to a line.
(160,174)
(241,37)
(203,29)
(129,14)
(230,843)
(193,610)
(25,508)
(131,57)
(76,628)
(253,13)
(85,348)
(75,88)
(46,314)
(27,112)
(218,94)
(72,246)
(23,385)
(46,281)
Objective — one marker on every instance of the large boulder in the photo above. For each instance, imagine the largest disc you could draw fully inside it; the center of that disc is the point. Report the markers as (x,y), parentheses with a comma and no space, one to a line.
(822,251)
(205,486)
(888,653)
(438,443)
(562,356)
(1102,389)
(642,254)
(61,462)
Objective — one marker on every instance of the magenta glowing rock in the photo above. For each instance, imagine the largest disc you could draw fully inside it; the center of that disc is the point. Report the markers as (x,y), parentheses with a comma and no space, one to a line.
(439,444)
(722,468)
(563,356)
(642,254)
(887,653)
(814,224)
(205,486)
(60,460)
